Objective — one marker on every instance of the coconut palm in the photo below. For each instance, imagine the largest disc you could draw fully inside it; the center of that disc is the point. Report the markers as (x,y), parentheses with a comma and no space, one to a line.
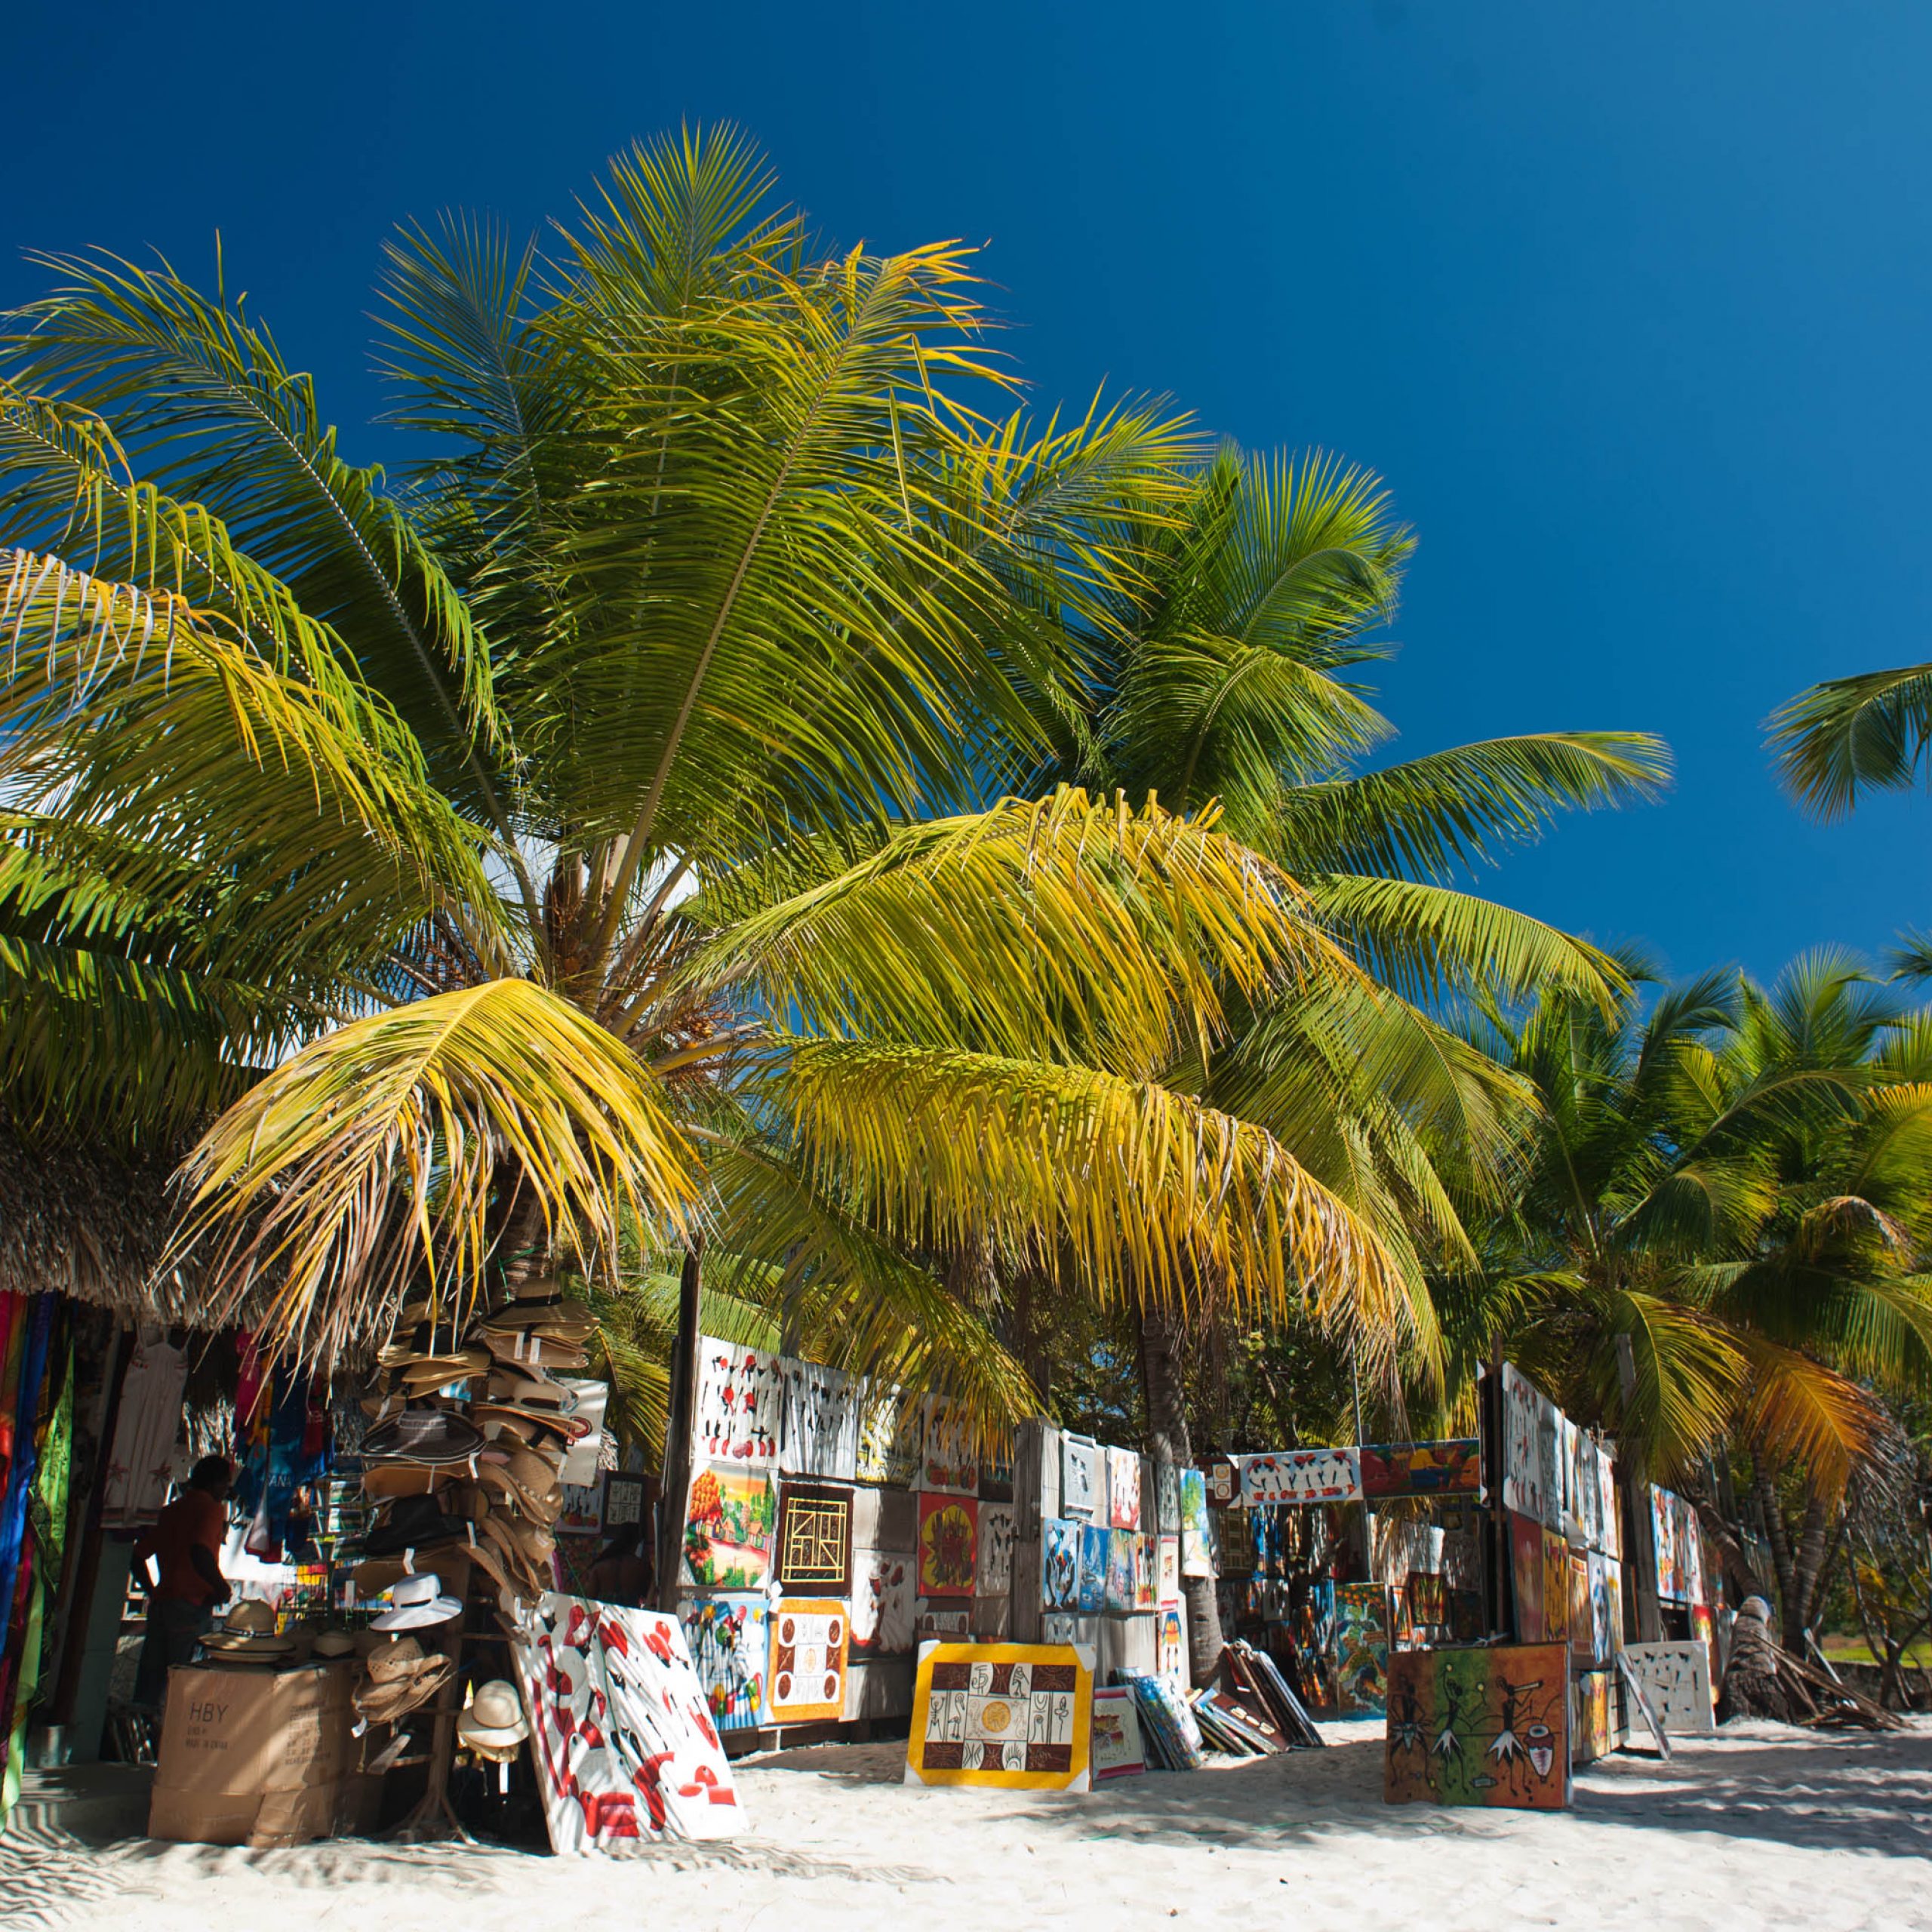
(1867,732)
(601,835)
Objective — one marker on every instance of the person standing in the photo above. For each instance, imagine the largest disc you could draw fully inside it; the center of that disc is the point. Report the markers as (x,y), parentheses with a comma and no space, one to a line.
(189,1587)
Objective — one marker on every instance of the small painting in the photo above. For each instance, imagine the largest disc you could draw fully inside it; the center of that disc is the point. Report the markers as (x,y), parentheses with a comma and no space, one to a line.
(1124,1489)
(1526,1573)
(729,1639)
(810,1640)
(1117,1749)
(1676,1679)
(729,1526)
(1523,1405)
(1170,1644)
(1196,1553)
(1167,1499)
(1590,1734)
(814,1539)
(884,1587)
(819,1431)
(741,1404)
(1421,1468)
(1017,1717)
(1300,1475)
(949,1462)
(1479,1726)
(887,1450)
(993,1573)
(1146,1578)
(1096,1545)
(1120,1571)
(1081,1474)
(1060,1563)
(948,1545)
(1167,1561)
(1556,1588)
(1361,1649)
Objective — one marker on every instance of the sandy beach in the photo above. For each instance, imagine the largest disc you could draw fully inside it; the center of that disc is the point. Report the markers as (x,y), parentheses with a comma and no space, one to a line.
(1762,1825)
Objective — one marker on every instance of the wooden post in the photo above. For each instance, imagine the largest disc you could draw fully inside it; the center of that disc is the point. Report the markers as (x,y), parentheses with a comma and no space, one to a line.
(675,1485)
(1640,1547)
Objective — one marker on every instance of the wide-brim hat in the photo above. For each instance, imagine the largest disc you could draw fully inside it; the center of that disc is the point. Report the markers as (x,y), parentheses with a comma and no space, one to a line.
(526,1480)
(423,1435)
(385,1700)
(526,1563)
(333,1643)
(495,1721)
(418,1616)
(413,1522)
(528,1424)
(529,1381)
(385,1481)
(221,1643)
(526,1349)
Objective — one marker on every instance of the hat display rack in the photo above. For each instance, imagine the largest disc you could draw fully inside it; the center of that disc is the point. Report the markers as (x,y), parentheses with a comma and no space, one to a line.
(461,1475)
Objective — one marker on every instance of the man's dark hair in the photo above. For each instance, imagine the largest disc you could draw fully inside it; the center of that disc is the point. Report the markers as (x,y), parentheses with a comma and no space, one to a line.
(210,1471)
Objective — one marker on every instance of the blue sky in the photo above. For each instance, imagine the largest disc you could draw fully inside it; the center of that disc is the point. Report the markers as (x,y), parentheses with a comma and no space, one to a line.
(1628,303)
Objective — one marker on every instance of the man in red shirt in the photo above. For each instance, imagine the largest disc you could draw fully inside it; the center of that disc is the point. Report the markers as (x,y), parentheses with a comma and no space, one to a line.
(182,1599)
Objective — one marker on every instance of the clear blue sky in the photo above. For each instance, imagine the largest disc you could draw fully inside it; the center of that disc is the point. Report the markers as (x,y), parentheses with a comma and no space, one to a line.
(1629,303)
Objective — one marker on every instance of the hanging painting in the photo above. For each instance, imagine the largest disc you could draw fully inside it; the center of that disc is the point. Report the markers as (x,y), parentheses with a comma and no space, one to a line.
(949,1462)
(1479,1726)
(1609,1513)
(810,1643)
(1080,1488)
(884,1587)
(993,1560)
(729,1525)
(1582,1644)
(1300,1475)
(1361,1649)
(1168,1569)
(729,1640)
(1167,1499)
(1014,1716)
(996,1468)
(620,1736)
(819,1431)
(1123,1489)
(1676,1679)
(948,1545)
(888,1446)
(1421,1468)
(1096,1545)
(1606,1597)
(1117,1750)
(1222,1479)
(814,1539)
(1556,1588)
(741,1404)
(1522,1466)
(1146,1577)
(1060,1563)
(1196,1558)
(1170,1643)
(942,1619)
(1120,1571)
(1526,1573)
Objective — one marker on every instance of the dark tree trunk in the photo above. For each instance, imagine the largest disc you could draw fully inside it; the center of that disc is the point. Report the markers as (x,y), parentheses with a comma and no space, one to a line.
(1766,1497)
(674,1477)
(1161,1351)
(1801,1602)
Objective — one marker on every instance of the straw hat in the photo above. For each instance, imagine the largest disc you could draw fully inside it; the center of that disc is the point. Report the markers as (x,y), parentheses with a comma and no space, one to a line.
(423,1435)
(385,1481)
(416,1602)
(494,1725)
(334,1643)
(527,1349)
(248,1633)
(529,1424)
(400,1679)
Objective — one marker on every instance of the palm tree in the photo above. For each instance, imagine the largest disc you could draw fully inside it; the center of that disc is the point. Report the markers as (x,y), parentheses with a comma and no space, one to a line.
(1869,732)
(603,834)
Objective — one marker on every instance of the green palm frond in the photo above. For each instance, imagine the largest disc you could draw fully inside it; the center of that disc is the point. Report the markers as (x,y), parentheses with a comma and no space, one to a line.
(1868,732)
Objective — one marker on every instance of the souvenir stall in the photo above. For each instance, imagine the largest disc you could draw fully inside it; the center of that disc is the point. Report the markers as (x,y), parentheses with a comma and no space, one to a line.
(1680,1667)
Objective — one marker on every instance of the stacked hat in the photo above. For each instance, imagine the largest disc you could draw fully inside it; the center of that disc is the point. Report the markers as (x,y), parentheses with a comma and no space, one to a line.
(399,1678)
(248,1636)
(494,1725)
(415,1602)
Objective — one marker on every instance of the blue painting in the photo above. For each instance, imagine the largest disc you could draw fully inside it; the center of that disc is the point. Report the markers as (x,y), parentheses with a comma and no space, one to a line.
(1120,1571)
(1095,1546)
(1060,1563)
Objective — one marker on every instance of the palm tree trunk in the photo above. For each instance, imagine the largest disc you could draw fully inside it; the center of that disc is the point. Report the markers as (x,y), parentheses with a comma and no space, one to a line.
(1807,1575)
(1766,1497)
(1160,1344)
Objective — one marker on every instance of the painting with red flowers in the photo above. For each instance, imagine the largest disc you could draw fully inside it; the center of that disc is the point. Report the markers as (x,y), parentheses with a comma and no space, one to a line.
(948,1545)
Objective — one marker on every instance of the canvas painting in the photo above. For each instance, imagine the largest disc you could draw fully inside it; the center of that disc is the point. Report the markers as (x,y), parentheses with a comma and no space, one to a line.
(1591,1736)
(814,1539)
(1611,1517)
(1146,1577)
(993,1572)
(1167,1499)
(1014,1716)
(1421,1468)
(620,1734)
(819,1433)
(942,1619)
(730,1523)
(1168,1565)
(1361,1649)
(1676,1679)
(1300,1475)
(1583,1641)
(888,1445)
(1095,1546)
(884,1588)
(1479,1726)
(1170,1643)
(1064,1627)
(1120,1571)
(1522,1464)
(996,1468)
(1526,1573)
(1606,1598)
(1060,1563)
(1123,1488)
(741,1404)
(1196,1556)
(1117,1751)
(1222,1480)
(729,1639)
(949,1460)
(948,1545)
(1549,1454)
(1080,1473)
(811,1641)
(1556,1588)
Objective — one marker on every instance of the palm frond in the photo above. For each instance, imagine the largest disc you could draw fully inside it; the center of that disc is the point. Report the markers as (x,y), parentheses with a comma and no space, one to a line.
(1868,732)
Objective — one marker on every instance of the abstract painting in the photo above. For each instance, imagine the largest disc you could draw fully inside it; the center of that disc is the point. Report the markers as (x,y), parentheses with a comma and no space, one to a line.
(819,1433)
(1479,1726)
(1117,1751)
(1014,1716)
(1223,1479)
(1556,1588)
(729,1639)
(814,1539)
(1523,1406)
(620,1734)
(1582,1642)
(1167,1562)
(1080,1488)
(1590,1734)
(1146,1577)
(993,1572)
(1120,1571)
(1361,1649)
(1526,1573)
(1095,1546)
(810,1640)
(1123,1489)
(1300,1475)
(1060,1563)
(729,1524)
(1421,1468)
(1606,1600)
(889,1437)
(1167,1499)
(1676,1679)
(949,1459)
(741,1404)
(884,1588)
(942,1619)
(948,1545)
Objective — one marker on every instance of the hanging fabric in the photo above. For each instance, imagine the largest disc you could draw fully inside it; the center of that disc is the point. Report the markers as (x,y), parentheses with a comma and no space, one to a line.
(141,1464)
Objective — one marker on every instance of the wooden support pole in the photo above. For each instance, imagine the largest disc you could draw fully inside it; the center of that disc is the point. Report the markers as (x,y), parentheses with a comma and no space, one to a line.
(676,1480)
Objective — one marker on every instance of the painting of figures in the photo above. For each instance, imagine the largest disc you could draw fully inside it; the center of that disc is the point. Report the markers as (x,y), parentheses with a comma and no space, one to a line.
(1361,1649)
(1479,1726)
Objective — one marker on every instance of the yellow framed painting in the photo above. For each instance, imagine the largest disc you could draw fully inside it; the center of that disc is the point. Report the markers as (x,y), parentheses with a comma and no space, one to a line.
(1014,1716)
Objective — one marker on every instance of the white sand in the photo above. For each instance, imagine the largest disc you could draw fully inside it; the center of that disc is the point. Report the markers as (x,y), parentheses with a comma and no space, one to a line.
(1762,1826)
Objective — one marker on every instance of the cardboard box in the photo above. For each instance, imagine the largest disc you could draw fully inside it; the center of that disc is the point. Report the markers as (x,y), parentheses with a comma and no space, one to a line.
(262,1820)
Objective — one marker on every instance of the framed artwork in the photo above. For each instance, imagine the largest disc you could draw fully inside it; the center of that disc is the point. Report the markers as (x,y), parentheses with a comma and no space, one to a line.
(888,1449)
(1168,1566)
(814,1539)
(1606,1598)
(884,1589)
(1059,1564)
(1422,1469)
(949,1462)
(1300,1475)
(729,1637)
(948,1545)
(1014,1716)
(1080,1481)
(1146,1577)
(1222,1478)
(1361,1649)
(1124,1489)
(810,1640)
(819,1432)
(993,1564)
(1116,1750)
(740,1402)
(1582,1642)
(1612,1517)
(1676,1681)
(623,1502)
(1120,1571)
(1522,1456)
(1479,1726)
(583,1510)
(620,1732)
(730,1522)
(1095,1546)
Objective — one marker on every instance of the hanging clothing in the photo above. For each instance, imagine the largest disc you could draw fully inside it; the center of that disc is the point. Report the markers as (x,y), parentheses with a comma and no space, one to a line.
(282,1443)
(141,1464)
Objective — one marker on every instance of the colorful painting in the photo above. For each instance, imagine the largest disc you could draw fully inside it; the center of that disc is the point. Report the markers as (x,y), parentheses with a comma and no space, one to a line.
(948,1545)
(1170,1644)
(620,1734)
(729,1639)
(890,1431)
(730,1522)
(1014,1716)
(740,1404)
(1120,1571)
(1523,1405)
(942,1619)
(993,1572)
(1146,1577)
(1196,1553)
(1676,1679)
(884,1587)
(819,1432)
(949,1460)
(1361,1649)
(810,1642)
(1582,1642)
(1222,1478)
(1426,1602)
(1421,1468)
(1123,1488)
(1081,1475)
(1167,1499)
(1612,1517)
(1526,1573)
(1095,1546)
(1479,1726)
(1591,1733)
(814,1539)
(1168,1565)
(1606,1600)
(1300,1475)
(1060,1563)
(1117,1751)
(1556,1588)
